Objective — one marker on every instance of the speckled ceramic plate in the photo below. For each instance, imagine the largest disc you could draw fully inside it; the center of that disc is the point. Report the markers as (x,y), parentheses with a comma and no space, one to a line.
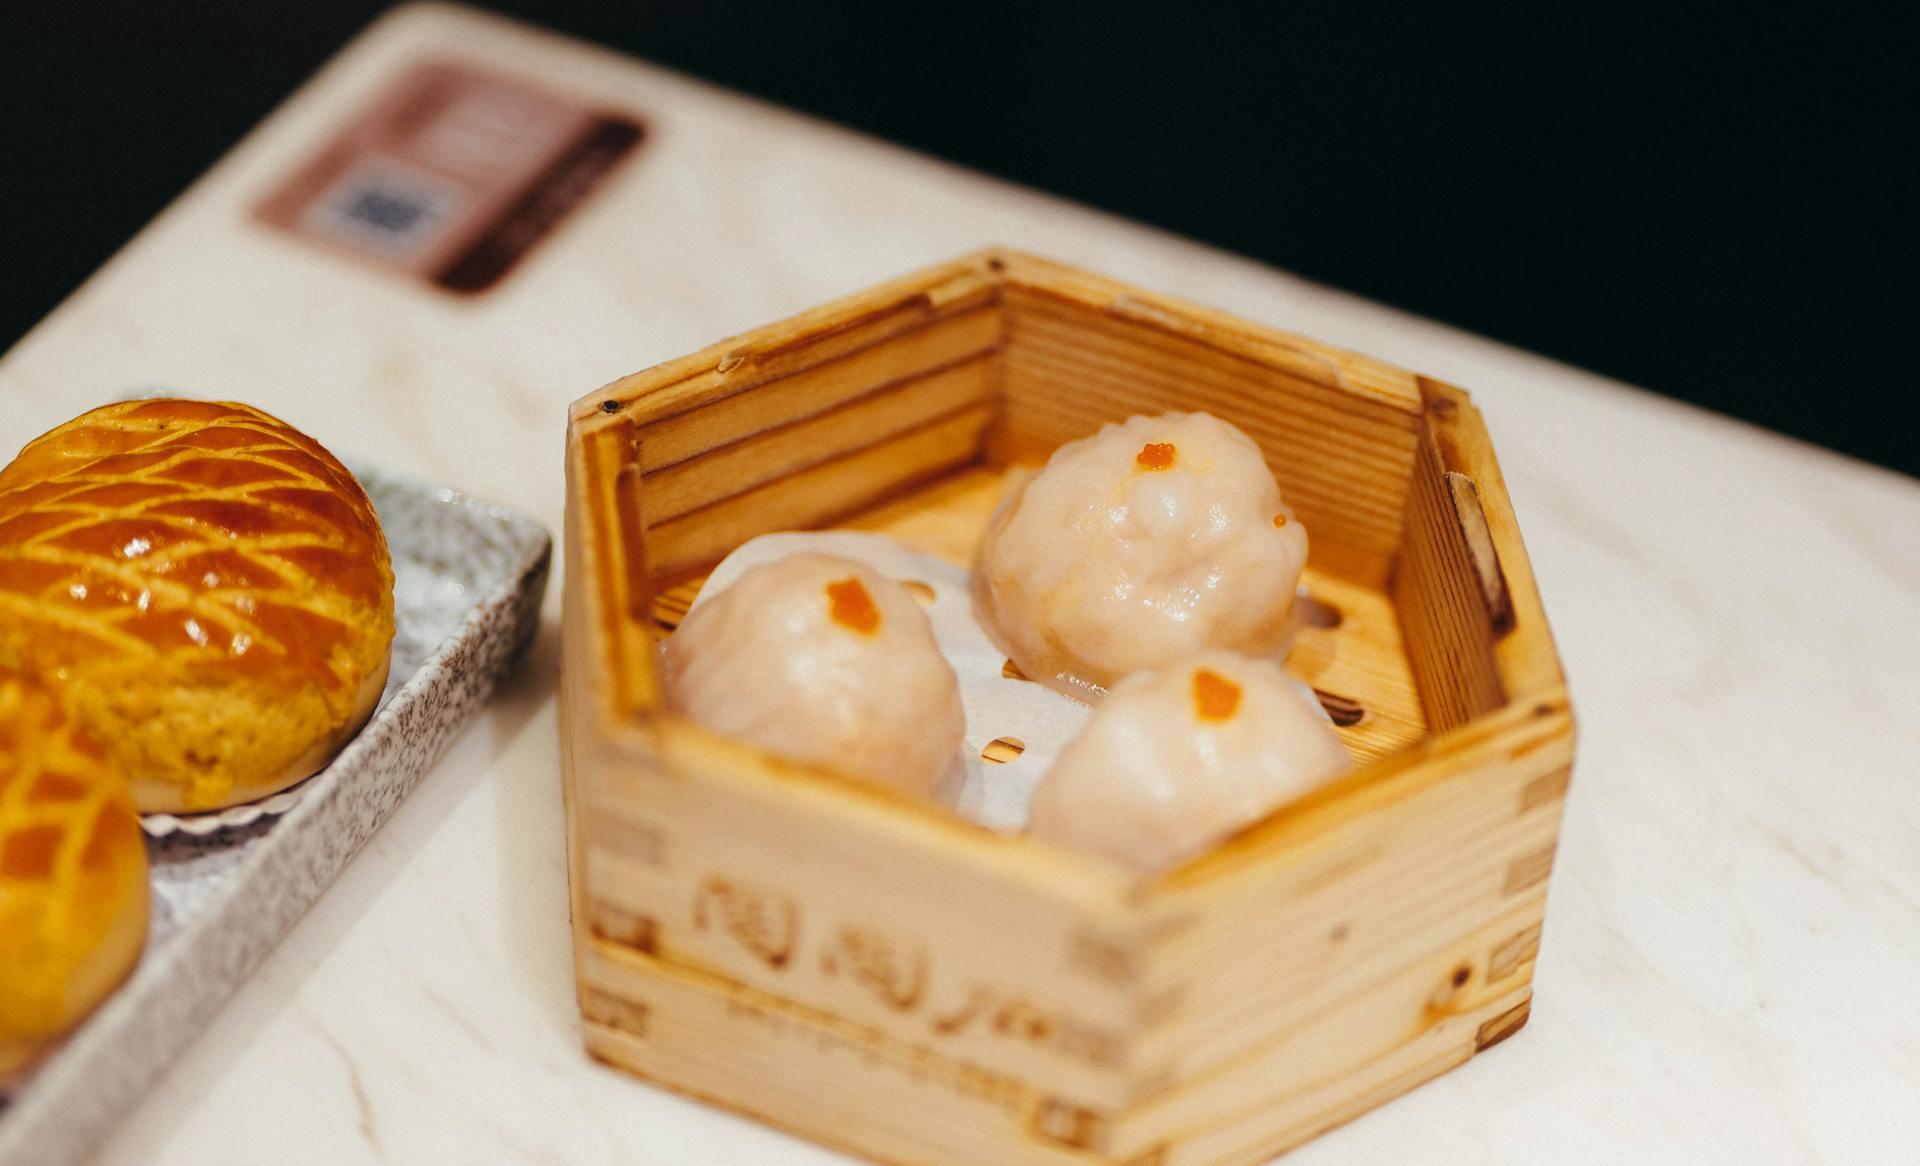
(468,583)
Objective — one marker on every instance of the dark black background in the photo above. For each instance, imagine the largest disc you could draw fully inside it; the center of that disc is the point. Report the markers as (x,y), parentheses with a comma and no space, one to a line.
(1704,201)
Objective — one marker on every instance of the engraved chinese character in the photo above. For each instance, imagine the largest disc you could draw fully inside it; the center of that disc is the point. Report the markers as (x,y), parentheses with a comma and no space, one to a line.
(766,924)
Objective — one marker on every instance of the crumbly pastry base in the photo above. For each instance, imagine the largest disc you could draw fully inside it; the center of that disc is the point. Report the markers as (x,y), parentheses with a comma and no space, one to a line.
(162,800)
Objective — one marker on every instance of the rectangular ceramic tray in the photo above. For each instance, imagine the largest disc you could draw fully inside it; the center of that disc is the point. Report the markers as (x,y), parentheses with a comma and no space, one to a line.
(469,578)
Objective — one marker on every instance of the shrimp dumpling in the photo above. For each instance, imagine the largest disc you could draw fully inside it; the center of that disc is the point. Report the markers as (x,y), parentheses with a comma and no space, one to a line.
(821,661)
(1171,761)
(1147,542)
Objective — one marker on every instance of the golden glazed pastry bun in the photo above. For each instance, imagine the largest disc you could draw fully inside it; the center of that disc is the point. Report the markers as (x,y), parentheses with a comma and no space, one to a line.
(73,873)
(208,589)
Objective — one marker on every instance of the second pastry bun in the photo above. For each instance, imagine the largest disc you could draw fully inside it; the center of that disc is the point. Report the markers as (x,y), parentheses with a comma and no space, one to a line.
(208,588)
(73,874)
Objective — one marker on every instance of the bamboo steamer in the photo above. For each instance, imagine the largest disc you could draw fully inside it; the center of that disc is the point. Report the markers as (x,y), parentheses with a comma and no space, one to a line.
(883,977)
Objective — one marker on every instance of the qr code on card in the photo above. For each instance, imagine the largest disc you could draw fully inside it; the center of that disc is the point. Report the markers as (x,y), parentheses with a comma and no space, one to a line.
(452,175)
(389,207)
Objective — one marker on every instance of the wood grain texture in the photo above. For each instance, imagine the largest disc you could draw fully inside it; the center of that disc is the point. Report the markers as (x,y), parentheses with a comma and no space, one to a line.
(1448,627)
(811,1073)
(815,496)
(844,1084)
(1524,655)
(1336,891)
(894,980)
(1081,353)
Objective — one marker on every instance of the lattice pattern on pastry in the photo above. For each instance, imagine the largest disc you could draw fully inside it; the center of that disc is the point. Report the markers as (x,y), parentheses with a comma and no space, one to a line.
(214,530)
(70,853)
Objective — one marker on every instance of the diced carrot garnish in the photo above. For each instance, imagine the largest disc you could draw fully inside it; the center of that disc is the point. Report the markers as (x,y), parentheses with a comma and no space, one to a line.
(1215,698)
(852,606)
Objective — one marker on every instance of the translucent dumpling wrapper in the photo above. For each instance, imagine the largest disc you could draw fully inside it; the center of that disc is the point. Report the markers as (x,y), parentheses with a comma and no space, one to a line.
(1151,540)
(1174,760)
(822,661)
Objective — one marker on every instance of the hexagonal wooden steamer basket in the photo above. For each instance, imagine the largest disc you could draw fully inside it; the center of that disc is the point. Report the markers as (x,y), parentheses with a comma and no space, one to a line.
(887,978)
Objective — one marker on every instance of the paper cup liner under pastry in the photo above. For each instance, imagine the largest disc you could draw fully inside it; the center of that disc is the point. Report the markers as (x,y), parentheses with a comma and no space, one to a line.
(230,818)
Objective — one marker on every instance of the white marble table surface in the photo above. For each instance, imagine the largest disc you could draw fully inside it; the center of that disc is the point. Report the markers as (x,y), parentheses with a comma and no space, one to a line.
(1731,968)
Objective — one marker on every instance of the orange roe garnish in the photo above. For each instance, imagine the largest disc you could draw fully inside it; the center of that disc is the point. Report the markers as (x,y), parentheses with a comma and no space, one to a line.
(1215,697)
(852,607)
(1155,455)
(1279,520)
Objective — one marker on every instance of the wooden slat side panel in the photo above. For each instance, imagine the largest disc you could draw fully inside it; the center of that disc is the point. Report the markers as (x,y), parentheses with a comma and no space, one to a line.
(912,354)
(1342,457)
(1427,1010)
(1525,656)
(823,891)
(854,1088)
(607,584)
(782,447)
(1444,620)
(943,517)
(751,1053)
(579,628)
(1371,379)
(1351,941)
(814,418)
(1332,1105)
(819,494)
(1330,892)
(1383,1082)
